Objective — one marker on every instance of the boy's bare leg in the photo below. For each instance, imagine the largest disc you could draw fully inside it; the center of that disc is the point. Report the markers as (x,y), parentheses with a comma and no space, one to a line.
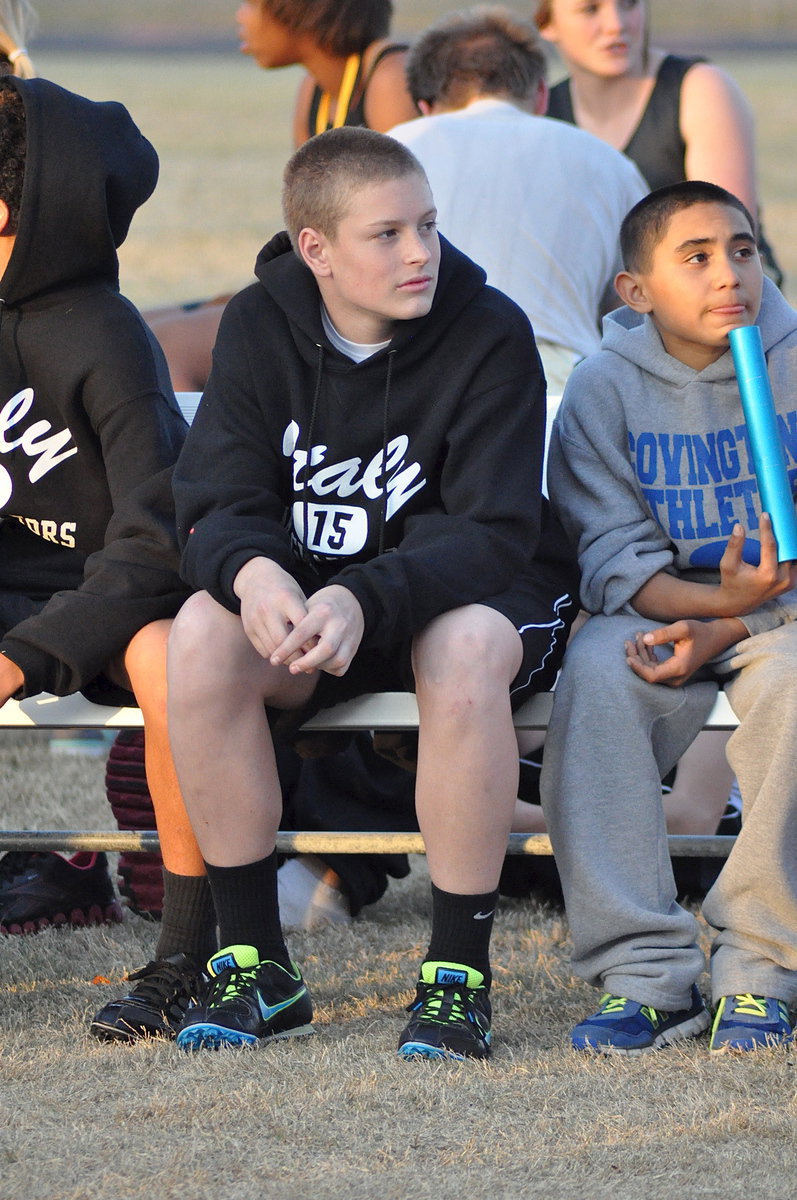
(145,665)
(164,989)
(220,736)
(218,686)
(466,791)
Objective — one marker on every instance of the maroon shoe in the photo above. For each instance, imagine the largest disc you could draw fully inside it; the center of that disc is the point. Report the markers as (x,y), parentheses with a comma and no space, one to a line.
(43,889)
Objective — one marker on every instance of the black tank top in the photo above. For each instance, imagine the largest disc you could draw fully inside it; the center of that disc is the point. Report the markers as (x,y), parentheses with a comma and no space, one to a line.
(656,145)
(356,113)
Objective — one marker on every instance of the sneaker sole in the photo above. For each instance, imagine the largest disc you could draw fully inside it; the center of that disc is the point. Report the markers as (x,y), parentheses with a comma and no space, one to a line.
(412,1050)
(129,1035)
(688,1029)
(215,1037)
(78,918)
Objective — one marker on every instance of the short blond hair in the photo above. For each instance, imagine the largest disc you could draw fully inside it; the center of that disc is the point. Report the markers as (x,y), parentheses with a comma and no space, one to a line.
(324,174)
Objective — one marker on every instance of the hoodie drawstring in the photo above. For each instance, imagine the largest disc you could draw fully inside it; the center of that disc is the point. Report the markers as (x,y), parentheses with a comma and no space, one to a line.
(304,550)
(385,407)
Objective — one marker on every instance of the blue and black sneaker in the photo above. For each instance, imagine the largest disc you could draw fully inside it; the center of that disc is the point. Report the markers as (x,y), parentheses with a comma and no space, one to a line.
(248,1003)
(747,1022)
(450,1014)
(622,1026)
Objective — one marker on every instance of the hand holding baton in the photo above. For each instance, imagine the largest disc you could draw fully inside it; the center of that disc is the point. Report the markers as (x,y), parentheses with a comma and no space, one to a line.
(769,457)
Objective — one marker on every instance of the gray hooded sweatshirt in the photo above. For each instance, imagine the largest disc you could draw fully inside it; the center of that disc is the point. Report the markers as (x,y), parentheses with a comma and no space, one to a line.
(650,467)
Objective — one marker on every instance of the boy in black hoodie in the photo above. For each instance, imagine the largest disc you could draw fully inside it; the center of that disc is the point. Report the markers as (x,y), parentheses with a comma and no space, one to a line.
(360,507)
(89,432)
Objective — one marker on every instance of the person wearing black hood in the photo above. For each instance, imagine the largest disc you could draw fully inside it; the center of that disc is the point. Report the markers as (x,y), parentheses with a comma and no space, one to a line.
(359,504)
(89,433)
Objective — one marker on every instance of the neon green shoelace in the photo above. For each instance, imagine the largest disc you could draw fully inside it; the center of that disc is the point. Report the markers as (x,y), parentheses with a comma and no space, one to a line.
(232,987)
(749,1006)
(612,1005)
(434,1002)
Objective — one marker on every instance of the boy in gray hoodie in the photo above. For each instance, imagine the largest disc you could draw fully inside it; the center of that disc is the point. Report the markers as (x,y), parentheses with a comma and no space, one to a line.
(651,473)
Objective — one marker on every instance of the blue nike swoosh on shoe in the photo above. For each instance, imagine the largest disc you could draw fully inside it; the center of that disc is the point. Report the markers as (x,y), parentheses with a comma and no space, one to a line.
(267,1011)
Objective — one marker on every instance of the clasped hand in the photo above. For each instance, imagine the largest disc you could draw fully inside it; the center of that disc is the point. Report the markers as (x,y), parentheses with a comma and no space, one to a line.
(693,643)
(319,633)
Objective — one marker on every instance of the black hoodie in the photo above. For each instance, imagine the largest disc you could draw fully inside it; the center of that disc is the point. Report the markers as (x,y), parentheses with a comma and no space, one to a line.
(89,426)
(458,400)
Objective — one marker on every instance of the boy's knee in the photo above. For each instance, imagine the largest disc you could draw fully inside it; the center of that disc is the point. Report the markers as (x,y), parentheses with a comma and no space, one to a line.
(201,623)
(473,644)
(145,665)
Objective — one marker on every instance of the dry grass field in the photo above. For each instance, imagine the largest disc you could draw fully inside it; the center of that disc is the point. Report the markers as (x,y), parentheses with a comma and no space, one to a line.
(339,1114)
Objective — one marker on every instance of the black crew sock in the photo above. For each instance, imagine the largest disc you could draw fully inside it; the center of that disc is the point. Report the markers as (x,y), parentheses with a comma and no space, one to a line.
(188,924)
(247,908)
(461,929)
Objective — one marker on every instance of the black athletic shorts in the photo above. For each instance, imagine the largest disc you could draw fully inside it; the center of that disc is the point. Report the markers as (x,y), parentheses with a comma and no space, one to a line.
(540,605)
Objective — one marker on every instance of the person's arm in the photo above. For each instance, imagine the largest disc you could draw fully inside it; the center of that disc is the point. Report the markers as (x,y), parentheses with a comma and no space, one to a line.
(742,588)
(11,679)
(226,482)
(596,494)
(717,127)
(387,98)
(706,617)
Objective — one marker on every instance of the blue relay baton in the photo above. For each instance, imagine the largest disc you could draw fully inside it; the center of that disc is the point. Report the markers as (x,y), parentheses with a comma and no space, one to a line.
(769,457)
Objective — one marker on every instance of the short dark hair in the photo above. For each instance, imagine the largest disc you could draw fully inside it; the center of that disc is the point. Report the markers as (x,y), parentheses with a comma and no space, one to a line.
(342,27)
(486,50)
(646,224)
(322,176)
(13,150)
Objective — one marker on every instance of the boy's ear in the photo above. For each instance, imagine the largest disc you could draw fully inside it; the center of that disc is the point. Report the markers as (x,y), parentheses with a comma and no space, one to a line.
(313,249)
(631,291)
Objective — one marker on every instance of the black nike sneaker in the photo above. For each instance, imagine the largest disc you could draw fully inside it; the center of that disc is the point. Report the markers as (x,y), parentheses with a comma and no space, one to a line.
(248,1003)
(155,1007)
(451,1014)
(42,889)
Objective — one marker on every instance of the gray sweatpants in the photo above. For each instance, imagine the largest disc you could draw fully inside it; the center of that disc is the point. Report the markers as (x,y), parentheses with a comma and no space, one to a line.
(611,738)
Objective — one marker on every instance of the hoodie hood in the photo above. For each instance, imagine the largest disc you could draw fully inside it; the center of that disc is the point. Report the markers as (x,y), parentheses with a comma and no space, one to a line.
(634,337)
(292,286)
(84,181)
